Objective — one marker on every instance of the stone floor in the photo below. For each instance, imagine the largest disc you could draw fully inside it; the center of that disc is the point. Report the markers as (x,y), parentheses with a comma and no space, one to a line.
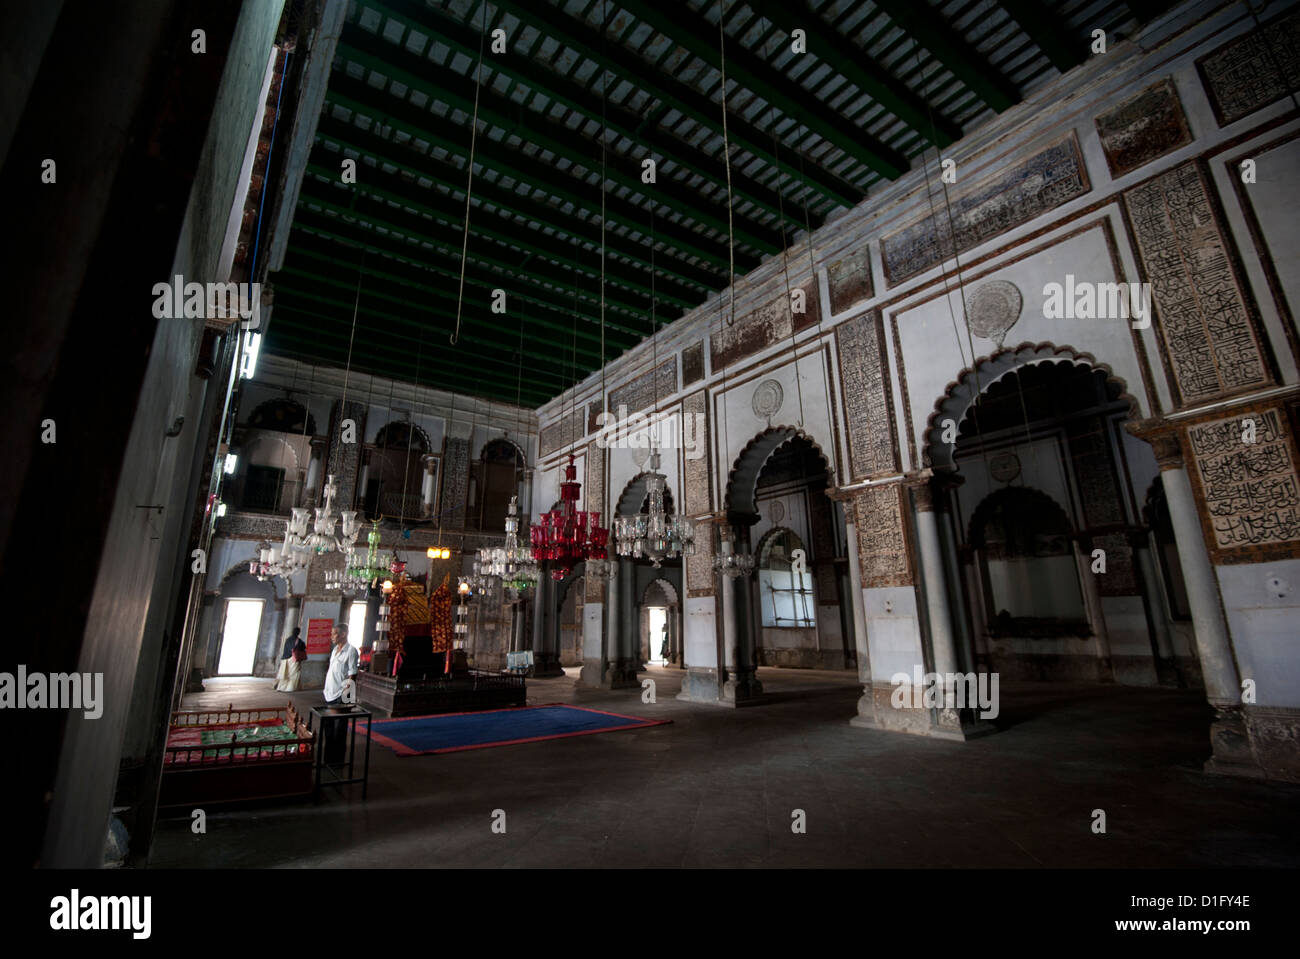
(717,787)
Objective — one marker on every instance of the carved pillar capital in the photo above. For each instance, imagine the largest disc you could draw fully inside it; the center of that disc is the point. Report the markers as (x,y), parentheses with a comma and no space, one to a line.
(1163,437)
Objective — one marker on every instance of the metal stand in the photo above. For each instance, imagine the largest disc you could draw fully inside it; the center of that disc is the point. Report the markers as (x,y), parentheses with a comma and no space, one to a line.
(319,716)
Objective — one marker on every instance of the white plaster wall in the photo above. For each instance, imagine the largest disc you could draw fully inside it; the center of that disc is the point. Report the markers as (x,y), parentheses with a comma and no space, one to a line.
(1262,603)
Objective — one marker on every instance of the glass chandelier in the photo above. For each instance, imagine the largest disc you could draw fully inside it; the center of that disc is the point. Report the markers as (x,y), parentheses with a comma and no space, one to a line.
(288,558)
(324,539)
(655,535)
(361,571)
(568,536)
(512,564)
(728,562)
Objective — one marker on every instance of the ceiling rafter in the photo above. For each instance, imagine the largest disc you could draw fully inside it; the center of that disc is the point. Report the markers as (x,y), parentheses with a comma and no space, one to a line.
(488,192)
(675,95)
(582,99)
(695,34)
(497,157)
(545,134)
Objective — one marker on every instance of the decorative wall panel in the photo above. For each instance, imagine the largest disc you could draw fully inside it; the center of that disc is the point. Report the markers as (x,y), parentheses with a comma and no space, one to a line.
(1242,76)
(864,377)
(1046,180)
(1250,489)
(849,281)
(593,497)
(698,497)
(693,364)
(1204,318)
(455,482)
(882,543)
(759,329)
(699,565)
(564,431)
(639,394)
(1143,127)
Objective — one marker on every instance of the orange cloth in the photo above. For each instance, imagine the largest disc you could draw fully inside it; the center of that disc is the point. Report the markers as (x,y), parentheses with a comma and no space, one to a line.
(440,627)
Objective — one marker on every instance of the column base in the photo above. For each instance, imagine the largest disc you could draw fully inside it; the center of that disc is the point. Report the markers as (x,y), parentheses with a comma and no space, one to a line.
(742,690)
(1230,741)
(621,674)
(960,725)
(546,666)
(593,674)
(699,686)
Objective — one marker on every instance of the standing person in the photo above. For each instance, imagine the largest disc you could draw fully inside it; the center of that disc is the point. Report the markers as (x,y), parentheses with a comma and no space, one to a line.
(663,646)
(340,678)
(290,674)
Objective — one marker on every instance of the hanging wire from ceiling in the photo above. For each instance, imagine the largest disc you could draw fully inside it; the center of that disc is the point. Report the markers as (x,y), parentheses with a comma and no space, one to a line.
(961,288)
(469,185)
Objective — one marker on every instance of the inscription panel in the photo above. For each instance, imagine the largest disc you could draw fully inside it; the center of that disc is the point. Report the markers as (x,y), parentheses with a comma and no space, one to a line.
(693,364)
(697,499)
(1145,126)
(864,375)
(1204,318)
(849,281)
(638,394)
(1046,180)
(762,327)
(566,430)
(1250,489)
(882,544)
(593,494)
(1243,76)
(699,565)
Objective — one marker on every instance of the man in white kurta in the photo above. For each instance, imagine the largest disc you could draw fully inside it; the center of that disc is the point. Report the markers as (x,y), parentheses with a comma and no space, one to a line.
(340,678)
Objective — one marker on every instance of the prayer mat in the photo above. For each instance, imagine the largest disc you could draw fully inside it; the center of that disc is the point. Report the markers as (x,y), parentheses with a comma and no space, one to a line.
(453,732)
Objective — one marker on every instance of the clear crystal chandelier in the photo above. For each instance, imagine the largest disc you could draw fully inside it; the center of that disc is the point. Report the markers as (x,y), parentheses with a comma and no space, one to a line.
(510,563)
(291,556)
(728,562)
(324,539)
(655,535)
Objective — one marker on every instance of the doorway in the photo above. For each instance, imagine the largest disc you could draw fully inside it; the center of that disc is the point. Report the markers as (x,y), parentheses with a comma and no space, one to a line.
(239,637)
(656,632)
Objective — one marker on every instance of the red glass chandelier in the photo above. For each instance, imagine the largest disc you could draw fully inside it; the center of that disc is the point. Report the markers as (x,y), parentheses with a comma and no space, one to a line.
(568,536)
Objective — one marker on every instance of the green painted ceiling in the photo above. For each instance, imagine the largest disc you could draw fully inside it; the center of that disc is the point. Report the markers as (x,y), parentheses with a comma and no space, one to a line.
(810,133)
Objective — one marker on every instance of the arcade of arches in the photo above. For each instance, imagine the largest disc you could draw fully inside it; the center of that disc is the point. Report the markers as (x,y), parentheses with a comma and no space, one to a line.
(933,421)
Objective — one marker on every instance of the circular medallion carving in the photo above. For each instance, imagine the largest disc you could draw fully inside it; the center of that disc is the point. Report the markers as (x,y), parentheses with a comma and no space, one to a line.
(777,509)
(994,309)
(1005,467)
(768,397)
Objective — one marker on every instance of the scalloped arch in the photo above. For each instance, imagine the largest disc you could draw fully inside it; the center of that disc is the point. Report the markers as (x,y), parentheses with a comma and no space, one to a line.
(960,394)
(742,480)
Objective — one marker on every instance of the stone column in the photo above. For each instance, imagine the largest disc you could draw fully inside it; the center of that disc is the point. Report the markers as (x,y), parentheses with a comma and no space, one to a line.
(1228,735)
(546,652)
(859,612)
(620,671)
(428,486)
(742,687)
(953,721)
(312,488)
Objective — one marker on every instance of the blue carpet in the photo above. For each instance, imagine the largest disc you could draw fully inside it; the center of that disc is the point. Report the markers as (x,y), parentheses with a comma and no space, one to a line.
(420,735)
